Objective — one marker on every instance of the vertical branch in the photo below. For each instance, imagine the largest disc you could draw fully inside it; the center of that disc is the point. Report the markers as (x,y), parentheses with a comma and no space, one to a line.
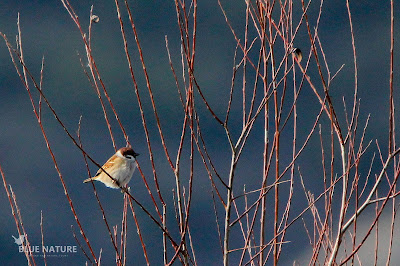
(376,232)
(144,123)
(289,29)
(188,53)
(244,63)
(164,220)
(228,208)
(343,207)
(264,56)
(188,232)
(271,43)
(124,228)
(392,135)
(355,67)
(26,244)
(391,100)
(140,233)
(42,235)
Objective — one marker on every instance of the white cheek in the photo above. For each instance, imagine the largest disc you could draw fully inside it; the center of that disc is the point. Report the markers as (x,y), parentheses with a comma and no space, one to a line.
(130,158)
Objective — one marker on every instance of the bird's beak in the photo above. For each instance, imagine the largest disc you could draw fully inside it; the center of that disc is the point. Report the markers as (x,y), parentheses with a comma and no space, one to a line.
(136,154)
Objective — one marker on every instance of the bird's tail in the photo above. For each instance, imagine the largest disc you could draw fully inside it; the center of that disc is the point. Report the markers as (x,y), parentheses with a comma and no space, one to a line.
(87,180)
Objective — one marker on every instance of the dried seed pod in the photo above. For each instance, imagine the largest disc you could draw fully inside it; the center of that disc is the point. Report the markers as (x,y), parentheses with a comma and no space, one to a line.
(94,18)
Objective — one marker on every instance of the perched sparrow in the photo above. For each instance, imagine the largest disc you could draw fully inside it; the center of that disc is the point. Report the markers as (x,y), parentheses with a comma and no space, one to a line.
(120,166)
(298,54)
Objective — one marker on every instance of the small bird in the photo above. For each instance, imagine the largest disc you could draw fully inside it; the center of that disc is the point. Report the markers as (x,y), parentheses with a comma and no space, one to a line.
(298,54)
(120,166)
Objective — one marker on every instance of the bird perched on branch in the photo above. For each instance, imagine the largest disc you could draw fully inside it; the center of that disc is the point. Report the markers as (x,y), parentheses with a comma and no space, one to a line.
(298,54)
(120,167)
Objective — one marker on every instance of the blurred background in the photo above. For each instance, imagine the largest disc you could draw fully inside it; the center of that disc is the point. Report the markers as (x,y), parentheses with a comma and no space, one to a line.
(49,32)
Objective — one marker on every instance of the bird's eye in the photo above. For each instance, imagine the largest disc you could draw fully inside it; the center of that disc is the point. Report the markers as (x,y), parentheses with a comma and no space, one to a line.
(129,157)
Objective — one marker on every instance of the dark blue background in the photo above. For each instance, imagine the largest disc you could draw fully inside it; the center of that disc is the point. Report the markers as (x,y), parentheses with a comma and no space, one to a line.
(47,30)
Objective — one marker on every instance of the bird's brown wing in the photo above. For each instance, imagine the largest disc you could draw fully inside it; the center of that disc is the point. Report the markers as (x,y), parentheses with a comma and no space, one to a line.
(107,165)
